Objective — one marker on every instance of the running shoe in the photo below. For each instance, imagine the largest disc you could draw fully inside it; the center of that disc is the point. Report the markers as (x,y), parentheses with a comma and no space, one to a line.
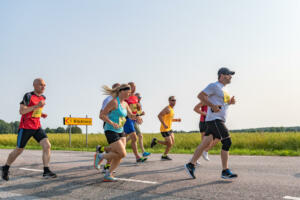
(5,173)
(153,142)
(190,169)
(227,174)
(141,160)
(106,168)
(98,149)
(146,154)
(205,156)
(49,174)
(109,178)
(166,157)
(98,158)
(197,162)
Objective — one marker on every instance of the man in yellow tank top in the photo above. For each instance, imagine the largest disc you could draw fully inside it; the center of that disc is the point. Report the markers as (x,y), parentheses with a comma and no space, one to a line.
(166,117)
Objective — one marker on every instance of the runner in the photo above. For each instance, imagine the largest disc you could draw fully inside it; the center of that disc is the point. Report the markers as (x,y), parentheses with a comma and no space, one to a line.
(99,148)
(31,108)
(137,128)
(166,117)
(114,117)
(201,109)
(129,125)
(218,101)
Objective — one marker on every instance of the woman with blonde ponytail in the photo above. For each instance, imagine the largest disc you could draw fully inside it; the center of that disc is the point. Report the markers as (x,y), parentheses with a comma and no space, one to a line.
(114,116)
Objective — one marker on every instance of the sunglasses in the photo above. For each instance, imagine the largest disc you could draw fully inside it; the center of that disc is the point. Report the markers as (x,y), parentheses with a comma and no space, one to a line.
(173,100)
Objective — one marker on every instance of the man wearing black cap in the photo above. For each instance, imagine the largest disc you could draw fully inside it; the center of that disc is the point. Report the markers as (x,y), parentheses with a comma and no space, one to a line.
(218,101)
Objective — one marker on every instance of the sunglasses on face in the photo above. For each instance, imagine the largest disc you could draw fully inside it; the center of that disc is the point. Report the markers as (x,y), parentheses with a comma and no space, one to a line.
(173,100)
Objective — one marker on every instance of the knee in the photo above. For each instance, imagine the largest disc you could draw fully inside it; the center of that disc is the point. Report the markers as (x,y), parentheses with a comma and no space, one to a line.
(169,143)
(47,146)
(122,154)
(226,144)
(19,150)
(133,138)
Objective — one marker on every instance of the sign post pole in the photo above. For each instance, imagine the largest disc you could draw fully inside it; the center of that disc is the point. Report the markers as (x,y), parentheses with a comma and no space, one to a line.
(86,138)
(70,126)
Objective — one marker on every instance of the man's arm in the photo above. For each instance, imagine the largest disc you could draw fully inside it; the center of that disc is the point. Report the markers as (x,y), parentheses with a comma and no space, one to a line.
(198,110)
(27,109)
(165,111)
(204,98)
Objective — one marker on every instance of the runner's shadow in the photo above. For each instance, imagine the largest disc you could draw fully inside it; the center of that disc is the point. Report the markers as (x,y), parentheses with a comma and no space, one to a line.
(297,175)
(140,194)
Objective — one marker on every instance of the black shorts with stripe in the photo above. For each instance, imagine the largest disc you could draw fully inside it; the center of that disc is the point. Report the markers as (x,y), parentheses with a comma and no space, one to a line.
(112,136)
(217,129)
(167,134)
(25,134)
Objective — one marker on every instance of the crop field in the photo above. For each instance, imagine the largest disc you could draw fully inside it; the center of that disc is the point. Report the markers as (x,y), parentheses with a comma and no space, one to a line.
(283,144)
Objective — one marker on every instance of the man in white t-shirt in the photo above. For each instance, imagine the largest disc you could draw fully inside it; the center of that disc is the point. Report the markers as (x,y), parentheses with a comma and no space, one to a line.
(218,101)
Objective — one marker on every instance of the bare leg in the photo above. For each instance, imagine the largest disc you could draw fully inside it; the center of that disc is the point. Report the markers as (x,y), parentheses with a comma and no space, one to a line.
(204,144)
(134,144)
(168,144)
(13,155)
(141,142)
(224,158)
(46,151)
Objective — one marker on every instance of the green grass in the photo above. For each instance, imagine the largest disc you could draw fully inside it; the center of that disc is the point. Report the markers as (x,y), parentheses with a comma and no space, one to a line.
(282,144)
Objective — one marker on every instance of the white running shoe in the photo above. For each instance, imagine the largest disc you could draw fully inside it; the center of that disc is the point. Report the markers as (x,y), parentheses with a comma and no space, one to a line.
(205,156)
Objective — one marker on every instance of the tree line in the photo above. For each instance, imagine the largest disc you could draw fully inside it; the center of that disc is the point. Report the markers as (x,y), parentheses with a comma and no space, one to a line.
(12,127)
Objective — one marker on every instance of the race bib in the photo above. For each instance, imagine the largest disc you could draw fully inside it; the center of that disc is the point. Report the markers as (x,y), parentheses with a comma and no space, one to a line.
(122,121)
(226,97)
(37,113)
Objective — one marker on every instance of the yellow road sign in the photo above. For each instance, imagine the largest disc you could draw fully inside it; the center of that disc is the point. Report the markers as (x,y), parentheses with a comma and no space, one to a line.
(77,121)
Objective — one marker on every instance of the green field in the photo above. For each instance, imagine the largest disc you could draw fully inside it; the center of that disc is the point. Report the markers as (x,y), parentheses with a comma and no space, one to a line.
(283,144)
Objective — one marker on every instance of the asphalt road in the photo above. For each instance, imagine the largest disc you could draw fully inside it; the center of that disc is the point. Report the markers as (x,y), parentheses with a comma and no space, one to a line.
(260,177)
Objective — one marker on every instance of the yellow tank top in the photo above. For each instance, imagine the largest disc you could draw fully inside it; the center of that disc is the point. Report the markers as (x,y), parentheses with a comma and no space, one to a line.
(168,119)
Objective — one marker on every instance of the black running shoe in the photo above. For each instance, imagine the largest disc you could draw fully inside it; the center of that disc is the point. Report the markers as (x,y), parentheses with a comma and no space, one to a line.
(141,160)
(98,149)
(227,174)
(5,173)
(165,157)
(153,142)
(190,169)
(49,174)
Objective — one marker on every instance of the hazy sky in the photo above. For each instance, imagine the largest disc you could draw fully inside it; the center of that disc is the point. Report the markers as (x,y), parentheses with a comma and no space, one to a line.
(170,47)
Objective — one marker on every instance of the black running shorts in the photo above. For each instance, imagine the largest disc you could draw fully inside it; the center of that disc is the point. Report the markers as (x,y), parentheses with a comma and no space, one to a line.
(25,134)
(112,136)
(167,134)
(216,128)
(202,127)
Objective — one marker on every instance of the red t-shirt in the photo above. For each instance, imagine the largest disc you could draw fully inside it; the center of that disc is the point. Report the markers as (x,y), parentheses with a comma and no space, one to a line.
(203,109)
(133,102)
(31,120)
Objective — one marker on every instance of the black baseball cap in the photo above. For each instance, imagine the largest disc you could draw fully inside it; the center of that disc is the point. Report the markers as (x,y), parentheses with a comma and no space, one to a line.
(225,71)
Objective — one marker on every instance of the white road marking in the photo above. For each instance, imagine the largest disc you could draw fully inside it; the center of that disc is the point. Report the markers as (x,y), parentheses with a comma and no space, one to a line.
(15,196)
(291,198)
(137,181)
(34,170)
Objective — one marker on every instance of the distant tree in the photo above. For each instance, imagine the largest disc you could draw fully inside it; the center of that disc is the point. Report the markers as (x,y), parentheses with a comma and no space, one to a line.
(60,130)
(74,129)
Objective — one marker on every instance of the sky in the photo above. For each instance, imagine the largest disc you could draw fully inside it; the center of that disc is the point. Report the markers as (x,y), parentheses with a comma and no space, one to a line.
(170,47)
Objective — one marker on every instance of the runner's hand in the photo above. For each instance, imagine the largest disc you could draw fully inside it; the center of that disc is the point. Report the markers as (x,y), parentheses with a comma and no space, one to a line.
(139,120)
(41,104)
(165,126)
(179,120)
(232,101)
(116,126)
(215,108)
(44,115)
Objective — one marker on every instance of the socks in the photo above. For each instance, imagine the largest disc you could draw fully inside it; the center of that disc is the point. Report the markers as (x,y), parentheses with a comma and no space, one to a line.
(6,167)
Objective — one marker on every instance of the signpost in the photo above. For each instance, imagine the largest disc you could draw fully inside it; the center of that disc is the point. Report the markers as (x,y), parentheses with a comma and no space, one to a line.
(70,121)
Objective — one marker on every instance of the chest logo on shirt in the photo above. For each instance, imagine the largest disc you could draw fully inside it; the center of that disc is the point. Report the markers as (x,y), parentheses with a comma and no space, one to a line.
(226,97)
(37,113)
(133,108)
(122,121)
